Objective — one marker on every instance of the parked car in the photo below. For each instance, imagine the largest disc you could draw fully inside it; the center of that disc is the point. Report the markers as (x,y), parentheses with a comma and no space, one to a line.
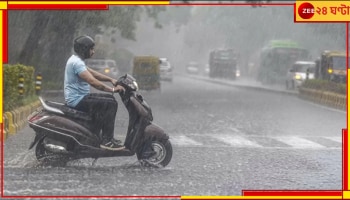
(105,66)
(166,70)
(192,68)
(299,72)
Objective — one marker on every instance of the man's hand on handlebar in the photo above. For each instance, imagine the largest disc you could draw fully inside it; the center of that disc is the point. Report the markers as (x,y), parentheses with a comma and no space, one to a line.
(114,82)
(119,89)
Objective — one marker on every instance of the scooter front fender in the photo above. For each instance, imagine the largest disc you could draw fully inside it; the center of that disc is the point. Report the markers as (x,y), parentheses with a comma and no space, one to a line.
(154,131)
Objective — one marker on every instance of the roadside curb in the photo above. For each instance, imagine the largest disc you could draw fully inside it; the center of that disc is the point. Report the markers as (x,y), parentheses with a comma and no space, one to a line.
(15,120)
(330,99)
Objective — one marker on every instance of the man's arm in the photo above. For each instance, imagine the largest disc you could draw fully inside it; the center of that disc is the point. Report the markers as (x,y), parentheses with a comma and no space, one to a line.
(99,76)
(94,82)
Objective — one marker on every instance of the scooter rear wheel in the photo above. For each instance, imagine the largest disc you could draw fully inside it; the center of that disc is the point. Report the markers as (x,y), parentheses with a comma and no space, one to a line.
(163,153)
(47,157)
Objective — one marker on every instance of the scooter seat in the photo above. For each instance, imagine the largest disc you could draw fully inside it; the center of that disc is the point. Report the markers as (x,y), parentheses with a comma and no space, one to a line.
(70,112)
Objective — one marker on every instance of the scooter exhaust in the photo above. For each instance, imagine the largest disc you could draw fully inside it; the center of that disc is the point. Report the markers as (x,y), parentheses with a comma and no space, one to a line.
(55,148)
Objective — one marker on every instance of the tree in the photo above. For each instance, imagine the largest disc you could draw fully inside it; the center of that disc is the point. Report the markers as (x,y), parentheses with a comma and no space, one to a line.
(47,41)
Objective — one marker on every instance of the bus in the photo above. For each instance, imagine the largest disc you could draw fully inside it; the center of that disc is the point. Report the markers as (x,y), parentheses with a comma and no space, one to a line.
(276,58)
(223,63)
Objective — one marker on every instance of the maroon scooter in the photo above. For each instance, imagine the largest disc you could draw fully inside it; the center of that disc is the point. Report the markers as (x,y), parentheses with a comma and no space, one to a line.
(64,134)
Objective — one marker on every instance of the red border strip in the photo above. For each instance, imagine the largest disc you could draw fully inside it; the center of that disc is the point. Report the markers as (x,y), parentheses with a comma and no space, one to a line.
(4,36)
(57,7)
(292,193)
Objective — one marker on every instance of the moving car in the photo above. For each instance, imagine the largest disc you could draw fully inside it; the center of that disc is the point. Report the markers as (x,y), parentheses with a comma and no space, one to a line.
(299,72)
(105,66)
(166,70)
(207,69)
(192,68)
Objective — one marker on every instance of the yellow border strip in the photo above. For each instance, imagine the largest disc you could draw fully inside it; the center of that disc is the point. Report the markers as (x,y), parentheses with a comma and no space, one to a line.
(3,5)
(261,197)
(89,2)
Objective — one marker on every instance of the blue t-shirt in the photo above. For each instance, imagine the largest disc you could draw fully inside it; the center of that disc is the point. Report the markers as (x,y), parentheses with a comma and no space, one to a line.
(75,88)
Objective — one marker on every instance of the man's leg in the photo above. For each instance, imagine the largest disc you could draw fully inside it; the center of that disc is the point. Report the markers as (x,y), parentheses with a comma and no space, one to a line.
(104,108)
(109,113)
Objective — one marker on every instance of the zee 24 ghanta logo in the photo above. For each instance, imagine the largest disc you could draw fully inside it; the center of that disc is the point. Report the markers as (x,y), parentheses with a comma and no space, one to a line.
(306,10)
(329,11)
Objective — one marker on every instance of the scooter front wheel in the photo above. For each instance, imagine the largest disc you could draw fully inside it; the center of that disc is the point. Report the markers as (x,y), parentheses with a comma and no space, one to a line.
(163,152)
(47,157)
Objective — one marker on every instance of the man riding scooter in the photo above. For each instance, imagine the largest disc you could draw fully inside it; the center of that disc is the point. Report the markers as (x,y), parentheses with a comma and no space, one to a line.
(77,81)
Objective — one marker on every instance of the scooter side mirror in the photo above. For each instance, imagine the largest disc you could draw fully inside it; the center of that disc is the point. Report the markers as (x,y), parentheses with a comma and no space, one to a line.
(140,97)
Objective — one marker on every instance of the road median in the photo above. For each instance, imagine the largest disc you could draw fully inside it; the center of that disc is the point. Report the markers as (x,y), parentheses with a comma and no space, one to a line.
(326,98)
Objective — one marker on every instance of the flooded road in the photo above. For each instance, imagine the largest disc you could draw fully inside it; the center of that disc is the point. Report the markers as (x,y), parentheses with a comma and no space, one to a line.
(225,139)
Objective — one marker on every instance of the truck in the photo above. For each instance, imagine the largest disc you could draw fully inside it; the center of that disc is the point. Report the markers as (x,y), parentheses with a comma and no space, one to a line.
(146,70)
(223,63)
(331,65)
(276,58)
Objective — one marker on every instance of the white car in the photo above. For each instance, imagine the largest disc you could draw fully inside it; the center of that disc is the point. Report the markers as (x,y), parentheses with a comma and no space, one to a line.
(299,72)
(166,70)
(105,66)
(192,68)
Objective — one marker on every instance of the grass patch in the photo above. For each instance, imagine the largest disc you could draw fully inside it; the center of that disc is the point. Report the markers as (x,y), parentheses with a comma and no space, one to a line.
(21,102)
(324,85)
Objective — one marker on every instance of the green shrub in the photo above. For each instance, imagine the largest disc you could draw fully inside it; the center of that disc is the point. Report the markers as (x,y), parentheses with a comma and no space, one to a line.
(325,85)
(12,98)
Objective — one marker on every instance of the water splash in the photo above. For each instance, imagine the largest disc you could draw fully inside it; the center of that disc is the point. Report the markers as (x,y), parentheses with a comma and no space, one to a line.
(24,159)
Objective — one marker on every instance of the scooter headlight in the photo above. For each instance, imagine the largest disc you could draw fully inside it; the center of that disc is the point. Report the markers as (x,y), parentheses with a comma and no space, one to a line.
(134,86)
